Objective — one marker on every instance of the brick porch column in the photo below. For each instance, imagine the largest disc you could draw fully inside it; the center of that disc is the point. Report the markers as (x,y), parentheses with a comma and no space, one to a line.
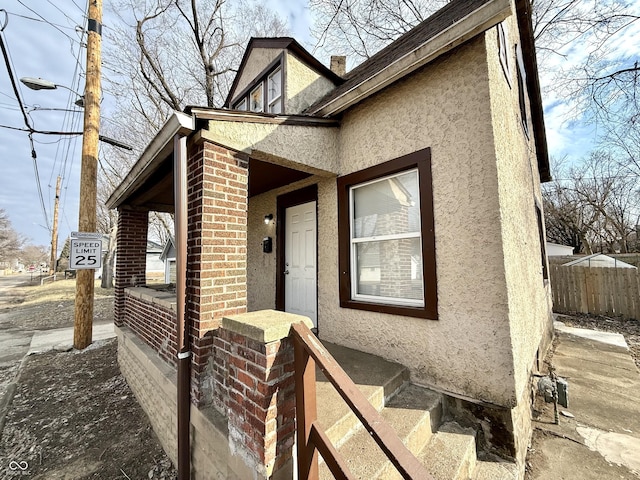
(254,377)
(217,245)
(131,255)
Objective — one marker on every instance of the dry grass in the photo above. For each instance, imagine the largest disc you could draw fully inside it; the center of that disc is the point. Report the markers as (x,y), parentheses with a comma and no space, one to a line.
(55,292)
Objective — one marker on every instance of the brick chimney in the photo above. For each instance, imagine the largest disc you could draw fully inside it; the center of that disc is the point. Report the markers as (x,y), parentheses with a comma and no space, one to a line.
(339,65)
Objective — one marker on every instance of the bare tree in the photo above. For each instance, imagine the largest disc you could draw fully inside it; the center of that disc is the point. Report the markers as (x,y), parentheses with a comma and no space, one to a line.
(10,240)
(593,206)
(362,27)
(160,56)
(168,54)
(34,254)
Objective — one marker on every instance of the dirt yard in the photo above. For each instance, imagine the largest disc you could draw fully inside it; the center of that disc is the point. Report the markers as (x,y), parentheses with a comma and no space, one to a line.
(72,415)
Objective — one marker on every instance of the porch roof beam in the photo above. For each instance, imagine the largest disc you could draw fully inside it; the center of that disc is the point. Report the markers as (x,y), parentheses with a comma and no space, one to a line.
(156,152)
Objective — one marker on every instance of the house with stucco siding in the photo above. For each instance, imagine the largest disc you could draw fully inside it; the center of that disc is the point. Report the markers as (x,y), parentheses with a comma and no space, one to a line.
(358,200)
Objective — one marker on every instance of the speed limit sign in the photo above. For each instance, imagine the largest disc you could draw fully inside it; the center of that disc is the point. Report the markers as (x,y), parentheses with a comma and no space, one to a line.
(85,253)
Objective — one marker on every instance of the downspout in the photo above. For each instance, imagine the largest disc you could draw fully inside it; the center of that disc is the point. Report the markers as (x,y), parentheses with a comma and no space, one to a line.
(184,344)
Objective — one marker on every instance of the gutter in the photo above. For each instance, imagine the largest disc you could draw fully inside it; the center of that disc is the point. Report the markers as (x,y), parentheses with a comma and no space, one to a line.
(523,14)
(156,152)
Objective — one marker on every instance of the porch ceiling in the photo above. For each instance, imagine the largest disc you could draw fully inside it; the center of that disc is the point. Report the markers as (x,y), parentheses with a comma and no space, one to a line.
(156,192)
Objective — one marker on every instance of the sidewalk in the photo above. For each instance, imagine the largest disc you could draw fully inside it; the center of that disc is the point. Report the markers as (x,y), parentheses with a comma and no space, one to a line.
(62,338)
(598,436)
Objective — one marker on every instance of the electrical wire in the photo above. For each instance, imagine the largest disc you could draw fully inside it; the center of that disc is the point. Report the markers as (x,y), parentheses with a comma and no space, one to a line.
(46,21)
(7,60)
(40,21)
(61,11)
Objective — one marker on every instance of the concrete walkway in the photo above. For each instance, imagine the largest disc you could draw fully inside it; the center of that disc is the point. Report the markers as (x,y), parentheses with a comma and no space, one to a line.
(598,436)
(62,338)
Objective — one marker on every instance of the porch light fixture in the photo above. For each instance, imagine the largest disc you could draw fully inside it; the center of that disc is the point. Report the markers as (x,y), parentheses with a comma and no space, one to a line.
(268,218)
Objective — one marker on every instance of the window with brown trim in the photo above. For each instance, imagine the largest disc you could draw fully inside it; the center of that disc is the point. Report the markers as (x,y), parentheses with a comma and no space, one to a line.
(386,238)
(503,51)
(522,90)
(543,243)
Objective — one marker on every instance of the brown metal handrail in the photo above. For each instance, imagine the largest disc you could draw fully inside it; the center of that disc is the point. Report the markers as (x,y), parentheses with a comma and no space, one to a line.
(311,437)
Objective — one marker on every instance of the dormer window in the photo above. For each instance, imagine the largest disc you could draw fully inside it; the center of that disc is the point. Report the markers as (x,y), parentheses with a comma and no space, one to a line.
(265,95)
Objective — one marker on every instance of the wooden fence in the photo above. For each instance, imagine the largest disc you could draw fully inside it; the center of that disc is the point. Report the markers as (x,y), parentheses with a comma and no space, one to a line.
(600,291)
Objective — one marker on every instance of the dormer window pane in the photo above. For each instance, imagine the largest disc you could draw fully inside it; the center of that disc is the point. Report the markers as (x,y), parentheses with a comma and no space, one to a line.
(274,91)
(241,105)
(257,101)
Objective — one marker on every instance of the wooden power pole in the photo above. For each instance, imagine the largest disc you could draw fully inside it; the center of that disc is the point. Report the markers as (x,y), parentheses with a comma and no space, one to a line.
(83,318)
(54,233)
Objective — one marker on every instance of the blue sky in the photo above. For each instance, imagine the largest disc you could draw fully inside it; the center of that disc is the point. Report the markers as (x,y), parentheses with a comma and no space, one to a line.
(40,49)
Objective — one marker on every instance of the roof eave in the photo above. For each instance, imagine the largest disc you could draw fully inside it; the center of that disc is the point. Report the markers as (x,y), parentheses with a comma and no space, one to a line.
(523,10)
(153,155)
(483,18)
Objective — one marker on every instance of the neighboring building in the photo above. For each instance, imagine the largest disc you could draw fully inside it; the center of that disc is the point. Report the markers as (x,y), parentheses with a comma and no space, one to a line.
(557,250)
(599,260)
(154,262)
(168,256)
(363,201)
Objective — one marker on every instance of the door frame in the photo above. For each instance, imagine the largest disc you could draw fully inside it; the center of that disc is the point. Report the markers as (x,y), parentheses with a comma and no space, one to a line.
(291,199)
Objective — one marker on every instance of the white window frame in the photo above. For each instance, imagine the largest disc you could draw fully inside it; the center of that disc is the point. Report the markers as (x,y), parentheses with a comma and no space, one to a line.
(271,102)
(260,86)
(241,105)
(354,242)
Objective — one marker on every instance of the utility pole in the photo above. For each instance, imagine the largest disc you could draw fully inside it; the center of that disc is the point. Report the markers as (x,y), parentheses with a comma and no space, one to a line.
(83,317)
(54,233)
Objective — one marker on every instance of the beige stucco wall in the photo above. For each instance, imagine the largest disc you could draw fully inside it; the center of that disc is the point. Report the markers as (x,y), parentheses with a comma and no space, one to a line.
(519,192)
(259,59)
(529,294)
(309,148)
(445,107)
(303,86)
(490,292)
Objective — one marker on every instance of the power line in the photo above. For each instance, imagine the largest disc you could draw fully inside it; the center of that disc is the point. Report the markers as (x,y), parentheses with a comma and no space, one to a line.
(42,132)
(46,21)
(41,21)
(61,11)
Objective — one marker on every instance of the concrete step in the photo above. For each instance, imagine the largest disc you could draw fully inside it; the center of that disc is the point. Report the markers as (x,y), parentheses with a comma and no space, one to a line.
(375,377)
(499,470)
(451,453)
(414,413)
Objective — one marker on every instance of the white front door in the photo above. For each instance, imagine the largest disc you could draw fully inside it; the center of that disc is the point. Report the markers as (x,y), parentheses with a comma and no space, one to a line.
(300,288)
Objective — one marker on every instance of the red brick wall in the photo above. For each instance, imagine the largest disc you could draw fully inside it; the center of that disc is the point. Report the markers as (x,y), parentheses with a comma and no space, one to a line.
(255,387)
(154,324)
(131,255)
(217,238)
(217,245)
(217,190)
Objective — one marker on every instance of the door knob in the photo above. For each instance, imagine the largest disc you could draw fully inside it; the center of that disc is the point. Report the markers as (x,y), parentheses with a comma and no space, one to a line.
(286,272)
